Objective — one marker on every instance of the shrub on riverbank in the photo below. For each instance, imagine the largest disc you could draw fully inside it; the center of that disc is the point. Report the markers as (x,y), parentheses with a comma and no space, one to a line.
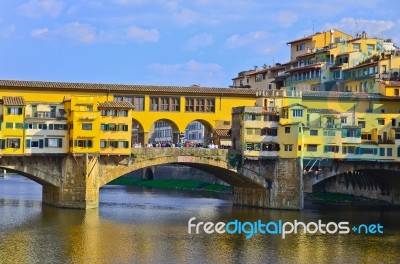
(172,184)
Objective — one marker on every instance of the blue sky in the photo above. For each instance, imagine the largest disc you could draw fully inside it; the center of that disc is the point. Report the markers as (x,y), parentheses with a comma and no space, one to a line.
(205,42)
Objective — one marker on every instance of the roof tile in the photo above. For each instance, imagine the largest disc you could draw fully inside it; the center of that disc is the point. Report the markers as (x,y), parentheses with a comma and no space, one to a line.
(117,104)
(125,87)
(13,100)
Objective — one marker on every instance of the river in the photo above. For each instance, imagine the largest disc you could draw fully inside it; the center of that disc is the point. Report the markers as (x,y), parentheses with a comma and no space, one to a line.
(136,225)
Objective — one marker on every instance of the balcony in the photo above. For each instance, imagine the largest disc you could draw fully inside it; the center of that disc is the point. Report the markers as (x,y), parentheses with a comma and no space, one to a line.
(314,124)
(48,115)
(385,141)
(333,126)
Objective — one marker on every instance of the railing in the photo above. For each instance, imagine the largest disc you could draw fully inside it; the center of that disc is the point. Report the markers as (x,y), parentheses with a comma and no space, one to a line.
(45,115)
(386,141)
(333,125)
(152,153)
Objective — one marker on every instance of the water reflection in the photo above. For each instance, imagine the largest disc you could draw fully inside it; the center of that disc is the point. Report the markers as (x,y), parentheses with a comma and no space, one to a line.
(146,226)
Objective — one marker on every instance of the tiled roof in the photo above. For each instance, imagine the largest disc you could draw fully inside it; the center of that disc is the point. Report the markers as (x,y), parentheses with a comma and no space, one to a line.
(394,83)
(307,67)
(13,100)
(112,104)
(323,111)
(300,39)
(223,132)
(347,95)
(362,65)
(296,104)
(124,87)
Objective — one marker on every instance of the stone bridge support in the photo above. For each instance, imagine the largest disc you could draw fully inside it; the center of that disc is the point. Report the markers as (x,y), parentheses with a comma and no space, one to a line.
(79,185)
(283,184)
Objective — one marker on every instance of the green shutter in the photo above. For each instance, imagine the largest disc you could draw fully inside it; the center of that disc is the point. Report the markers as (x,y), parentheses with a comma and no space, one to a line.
(9,110)
(46,142)
(28,143)
(126,144)
(344,133)
(60,142)
(358,133)
(90,143)
(41,143)
(3,144)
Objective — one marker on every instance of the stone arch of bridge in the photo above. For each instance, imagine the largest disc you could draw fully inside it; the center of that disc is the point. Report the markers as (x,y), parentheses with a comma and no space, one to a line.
(365,182)
(211,163)
(35,175)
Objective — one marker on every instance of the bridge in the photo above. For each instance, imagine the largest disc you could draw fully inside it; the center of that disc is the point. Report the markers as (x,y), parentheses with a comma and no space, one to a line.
(372,179)
(73,181)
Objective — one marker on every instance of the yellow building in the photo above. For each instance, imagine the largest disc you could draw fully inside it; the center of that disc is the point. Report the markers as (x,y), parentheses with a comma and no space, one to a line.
(58,118)
(316,41)
(321,126)
(115,127)
(12,126)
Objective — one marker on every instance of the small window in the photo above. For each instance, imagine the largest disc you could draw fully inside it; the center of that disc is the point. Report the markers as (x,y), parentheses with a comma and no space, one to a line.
(312,148)
(381,122)
(288,147)
(297,112)
(86,126)
(287,130)
(313,132)
(356,46)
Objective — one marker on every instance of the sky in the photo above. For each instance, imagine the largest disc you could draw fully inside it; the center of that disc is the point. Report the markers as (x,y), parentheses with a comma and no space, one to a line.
(177,42)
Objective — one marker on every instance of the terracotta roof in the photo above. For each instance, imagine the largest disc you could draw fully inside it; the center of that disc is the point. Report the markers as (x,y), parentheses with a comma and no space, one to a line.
(123,87)
(112,104)
(300,39)
(362,65)
(13,100)
(305,68)
(349,95)
(223,132)
(296,104)
(393,83)
(323,111)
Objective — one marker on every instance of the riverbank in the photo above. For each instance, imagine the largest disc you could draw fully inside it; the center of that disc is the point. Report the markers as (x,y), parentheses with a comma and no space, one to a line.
(338,198)
(172,184)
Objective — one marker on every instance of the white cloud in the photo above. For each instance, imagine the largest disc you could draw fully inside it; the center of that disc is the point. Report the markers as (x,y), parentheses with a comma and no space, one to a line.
(374,28)
(190,72)
(185,16)
(85,33)
(39,32)
(238,41)
(286,18)
(39,8)
(7,32)
(200,40)
(143,35)
(130,2)
(74,31)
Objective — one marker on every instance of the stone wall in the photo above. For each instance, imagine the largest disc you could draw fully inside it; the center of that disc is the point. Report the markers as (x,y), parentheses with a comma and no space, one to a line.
(180,172)
(283,183)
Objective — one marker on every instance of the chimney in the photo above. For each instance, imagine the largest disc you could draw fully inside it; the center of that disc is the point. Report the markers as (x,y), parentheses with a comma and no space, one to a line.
(332,36)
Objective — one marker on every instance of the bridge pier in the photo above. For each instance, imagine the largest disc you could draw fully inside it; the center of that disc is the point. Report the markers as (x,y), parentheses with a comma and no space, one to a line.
(283,184)
(79,186)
